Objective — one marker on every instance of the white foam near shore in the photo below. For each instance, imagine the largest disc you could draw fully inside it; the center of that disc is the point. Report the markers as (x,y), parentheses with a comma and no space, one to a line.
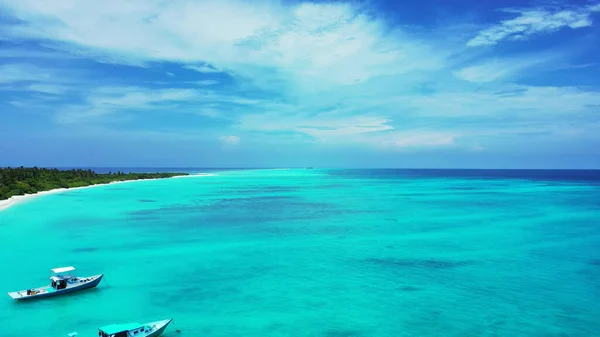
(17,199)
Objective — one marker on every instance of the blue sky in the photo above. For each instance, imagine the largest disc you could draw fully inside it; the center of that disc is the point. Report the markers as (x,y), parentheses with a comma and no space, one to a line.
(228,83)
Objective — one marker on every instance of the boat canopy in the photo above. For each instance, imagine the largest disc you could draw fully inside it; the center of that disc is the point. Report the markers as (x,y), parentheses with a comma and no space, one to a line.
(62,270)
(116,328)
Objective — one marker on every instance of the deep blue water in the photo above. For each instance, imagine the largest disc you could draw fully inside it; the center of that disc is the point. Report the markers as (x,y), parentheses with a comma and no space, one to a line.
(589,176)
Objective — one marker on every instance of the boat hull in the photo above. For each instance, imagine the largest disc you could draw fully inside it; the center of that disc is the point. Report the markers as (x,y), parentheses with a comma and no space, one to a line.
(161,329)
(22,295)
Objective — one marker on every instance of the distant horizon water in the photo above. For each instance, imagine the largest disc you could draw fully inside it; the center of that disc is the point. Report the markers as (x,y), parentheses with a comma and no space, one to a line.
(536,174)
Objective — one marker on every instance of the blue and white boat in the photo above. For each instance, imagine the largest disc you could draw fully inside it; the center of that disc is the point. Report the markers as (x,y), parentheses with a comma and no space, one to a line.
(62,282)
(152,329)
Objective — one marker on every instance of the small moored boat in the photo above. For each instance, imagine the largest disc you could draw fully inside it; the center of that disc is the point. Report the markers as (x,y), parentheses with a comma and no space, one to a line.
(152,329)
(62,282)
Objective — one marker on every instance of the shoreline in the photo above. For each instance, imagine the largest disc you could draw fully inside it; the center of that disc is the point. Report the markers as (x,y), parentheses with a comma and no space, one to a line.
(17,199)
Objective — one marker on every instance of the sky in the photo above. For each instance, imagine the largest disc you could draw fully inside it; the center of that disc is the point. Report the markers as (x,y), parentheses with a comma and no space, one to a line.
(230,83)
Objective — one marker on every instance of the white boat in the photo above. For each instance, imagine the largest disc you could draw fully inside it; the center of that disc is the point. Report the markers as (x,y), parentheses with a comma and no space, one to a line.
(152,329)
(62,282)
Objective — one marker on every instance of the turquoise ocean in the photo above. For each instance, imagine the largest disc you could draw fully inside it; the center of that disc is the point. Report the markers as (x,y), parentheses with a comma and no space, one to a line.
(332,253)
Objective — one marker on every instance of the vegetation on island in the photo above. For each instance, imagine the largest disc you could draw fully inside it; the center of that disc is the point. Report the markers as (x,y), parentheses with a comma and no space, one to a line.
(22,180)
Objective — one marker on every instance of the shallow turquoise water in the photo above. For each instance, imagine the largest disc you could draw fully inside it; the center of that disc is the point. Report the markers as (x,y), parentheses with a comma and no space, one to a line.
(313,253)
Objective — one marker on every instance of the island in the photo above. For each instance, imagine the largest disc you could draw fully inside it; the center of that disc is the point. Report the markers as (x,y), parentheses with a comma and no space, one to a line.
(30,180)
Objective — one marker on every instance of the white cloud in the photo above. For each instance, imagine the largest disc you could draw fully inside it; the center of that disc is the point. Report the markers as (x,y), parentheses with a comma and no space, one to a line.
(305,45)
(146,30)
(170,74)
(230,140)
(531,22)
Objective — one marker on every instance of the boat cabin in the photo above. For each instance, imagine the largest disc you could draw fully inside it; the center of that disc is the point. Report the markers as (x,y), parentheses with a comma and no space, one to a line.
(60,277)
(124,330)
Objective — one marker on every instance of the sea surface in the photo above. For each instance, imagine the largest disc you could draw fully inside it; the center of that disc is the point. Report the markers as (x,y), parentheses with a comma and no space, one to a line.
(331,253)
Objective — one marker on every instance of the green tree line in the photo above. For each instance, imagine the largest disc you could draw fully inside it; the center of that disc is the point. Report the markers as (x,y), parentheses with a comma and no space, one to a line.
(25,180)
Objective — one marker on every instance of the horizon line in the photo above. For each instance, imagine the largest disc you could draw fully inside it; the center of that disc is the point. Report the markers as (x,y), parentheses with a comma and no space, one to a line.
(302,167)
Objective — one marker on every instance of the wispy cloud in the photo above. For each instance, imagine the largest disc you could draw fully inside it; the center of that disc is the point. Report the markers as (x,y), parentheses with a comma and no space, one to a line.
(22,54)
(206,82)
(418,138)
(103,101)
(203,69)
(230,140)
(48,88)
(209,111)
(530,22)
(10,73)
(308,44)
(319,127)
(496,69)
(108,100)
(508,101)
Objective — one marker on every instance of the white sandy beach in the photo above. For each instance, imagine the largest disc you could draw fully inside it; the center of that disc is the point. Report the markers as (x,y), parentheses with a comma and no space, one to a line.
(17,199)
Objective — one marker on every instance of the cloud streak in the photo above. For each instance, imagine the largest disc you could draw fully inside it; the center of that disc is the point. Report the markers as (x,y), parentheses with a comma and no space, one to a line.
(11,73)
(532,22)
(203,69)
(507,68)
